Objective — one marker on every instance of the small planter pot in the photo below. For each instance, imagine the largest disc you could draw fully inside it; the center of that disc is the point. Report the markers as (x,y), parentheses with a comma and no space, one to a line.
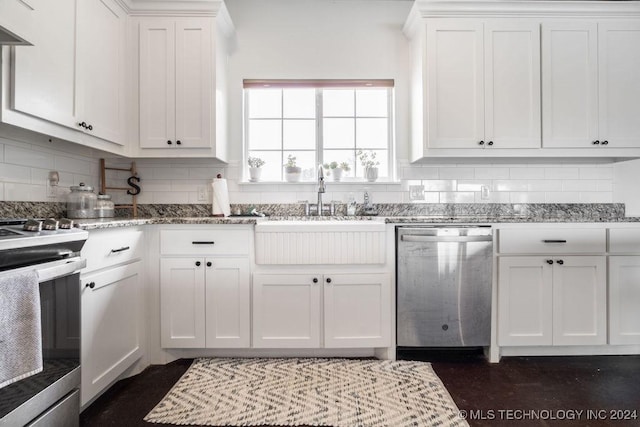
(337,174)
(371,174)
(292,173)
(254,174)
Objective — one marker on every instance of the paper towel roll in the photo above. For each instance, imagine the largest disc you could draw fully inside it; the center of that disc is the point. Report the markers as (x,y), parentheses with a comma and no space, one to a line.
(220,197)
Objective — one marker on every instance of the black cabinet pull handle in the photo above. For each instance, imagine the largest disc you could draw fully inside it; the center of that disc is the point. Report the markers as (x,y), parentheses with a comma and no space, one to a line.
(549,261)
(481,143)
(315,280)
(179,142)
(198,263)
(554,241)
(82,125)
(200,242)
(122,249)
(560,261)
(328,279)
(490,143)
(209,264)
(90,285)
(605,142)
(169,142)
(90,127)
(596,142)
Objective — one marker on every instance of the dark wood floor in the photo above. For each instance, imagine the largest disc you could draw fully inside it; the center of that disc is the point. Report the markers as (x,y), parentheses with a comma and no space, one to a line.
(506,394)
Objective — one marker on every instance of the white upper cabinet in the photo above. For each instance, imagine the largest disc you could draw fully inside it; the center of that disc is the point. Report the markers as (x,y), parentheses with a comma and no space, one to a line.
(44,74)
(618,71)
(482,84)
(182,86)
(590,87)
(73,75)
(100,68)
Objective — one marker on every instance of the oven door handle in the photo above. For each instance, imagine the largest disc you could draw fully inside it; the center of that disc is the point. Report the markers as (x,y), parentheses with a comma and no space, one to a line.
(65,268)
(419,238)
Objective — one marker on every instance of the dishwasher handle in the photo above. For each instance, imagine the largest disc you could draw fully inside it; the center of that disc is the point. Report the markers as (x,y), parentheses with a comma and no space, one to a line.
(422,238)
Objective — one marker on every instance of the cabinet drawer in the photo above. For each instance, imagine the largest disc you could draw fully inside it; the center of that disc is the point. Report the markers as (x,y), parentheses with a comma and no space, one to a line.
(624,240)
(108,247)
(206,241)
(552,241)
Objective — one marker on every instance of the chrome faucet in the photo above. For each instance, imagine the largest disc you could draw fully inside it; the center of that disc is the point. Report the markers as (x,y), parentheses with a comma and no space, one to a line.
(321,188)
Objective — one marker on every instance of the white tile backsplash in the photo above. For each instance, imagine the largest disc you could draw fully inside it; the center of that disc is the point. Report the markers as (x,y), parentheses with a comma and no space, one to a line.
(24,169)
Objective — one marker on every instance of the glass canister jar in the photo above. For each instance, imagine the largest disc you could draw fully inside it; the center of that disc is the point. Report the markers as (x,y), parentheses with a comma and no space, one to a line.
(105,208)
(81,202)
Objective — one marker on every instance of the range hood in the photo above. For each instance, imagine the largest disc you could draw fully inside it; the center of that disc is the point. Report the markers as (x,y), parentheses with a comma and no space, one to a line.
(9,38)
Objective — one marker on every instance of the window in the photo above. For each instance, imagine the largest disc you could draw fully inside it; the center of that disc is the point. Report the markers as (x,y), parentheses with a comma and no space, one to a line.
(318,122)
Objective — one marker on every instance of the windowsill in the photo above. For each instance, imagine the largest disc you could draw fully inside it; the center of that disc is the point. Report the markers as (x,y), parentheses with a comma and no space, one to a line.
(327,182)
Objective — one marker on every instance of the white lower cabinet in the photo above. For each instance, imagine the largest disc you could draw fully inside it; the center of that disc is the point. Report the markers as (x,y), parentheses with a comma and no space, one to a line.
(559,300)
(205,302)
(351,310)
(624,300)
(111,326)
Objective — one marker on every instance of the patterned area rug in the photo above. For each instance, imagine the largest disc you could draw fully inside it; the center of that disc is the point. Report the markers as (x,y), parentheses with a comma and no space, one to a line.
(311,392)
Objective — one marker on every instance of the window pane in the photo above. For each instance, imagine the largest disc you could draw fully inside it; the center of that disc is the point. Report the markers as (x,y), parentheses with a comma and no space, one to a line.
(299,103)
(340,156)
(306,160)
(337,103)
(272,169)
(265,103)
(264,134)
(371,103)
(299,134)
(338,133)
(371,133)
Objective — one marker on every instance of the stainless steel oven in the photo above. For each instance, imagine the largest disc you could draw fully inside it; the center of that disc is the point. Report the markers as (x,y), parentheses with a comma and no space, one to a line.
(50,398)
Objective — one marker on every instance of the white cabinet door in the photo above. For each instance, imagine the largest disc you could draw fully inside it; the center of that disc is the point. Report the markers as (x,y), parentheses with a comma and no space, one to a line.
(454,83)
(182,302)
(357,310)
(619,85)
(44,74)
(194,79)
(579,300)
(569,84)
(16,18)
(101,68)
(525,300)
(624,300)
(176,78)
(111,326)
(512,85)
(157,83)
(228,303)
(286,310)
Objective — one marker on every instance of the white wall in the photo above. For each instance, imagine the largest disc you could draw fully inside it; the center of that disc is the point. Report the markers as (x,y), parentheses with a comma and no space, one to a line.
(314,39)
(626,190)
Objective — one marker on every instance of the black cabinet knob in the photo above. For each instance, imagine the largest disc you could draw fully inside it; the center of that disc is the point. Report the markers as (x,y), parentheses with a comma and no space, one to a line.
(490,143)
(90,285)
(328,279)
(90,127)
(549,261)
(82,124)
(209,264)
(315,280)
(179,142)
(596,142)
(481,143)
(198,263)
(605,142)
(169,142)
(560,262)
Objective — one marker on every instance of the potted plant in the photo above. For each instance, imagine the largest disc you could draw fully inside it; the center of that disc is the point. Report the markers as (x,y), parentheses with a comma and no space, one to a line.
(255,165)
(291,171)
(370,165)
(343,167)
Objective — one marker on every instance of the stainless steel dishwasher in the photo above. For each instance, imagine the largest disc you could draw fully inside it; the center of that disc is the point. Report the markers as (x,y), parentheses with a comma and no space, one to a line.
(444,279)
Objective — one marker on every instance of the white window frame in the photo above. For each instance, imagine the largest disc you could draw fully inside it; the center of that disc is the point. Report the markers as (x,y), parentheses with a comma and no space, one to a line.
(319,85)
